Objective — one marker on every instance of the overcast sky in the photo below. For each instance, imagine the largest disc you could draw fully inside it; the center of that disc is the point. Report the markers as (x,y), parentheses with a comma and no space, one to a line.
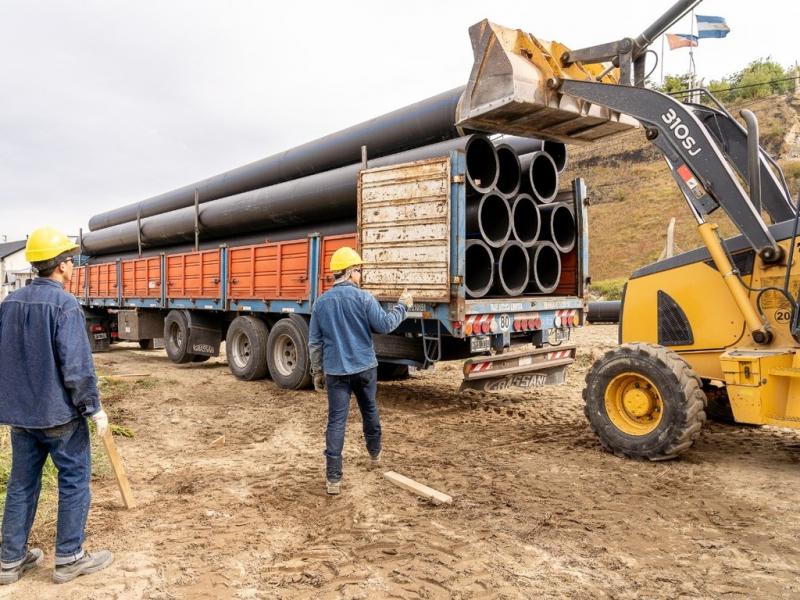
(106,102)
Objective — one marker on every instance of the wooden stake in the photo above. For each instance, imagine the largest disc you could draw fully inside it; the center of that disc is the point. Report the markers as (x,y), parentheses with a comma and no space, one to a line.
(433,495)
(119,469)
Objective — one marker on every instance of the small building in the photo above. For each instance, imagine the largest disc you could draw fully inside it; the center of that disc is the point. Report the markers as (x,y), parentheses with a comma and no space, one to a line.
(15,271)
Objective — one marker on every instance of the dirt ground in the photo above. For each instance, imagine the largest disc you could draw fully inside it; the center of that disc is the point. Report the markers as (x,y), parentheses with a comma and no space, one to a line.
(539,510)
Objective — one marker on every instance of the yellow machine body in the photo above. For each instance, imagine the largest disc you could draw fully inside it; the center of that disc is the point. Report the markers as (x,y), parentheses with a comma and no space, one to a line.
(762,380)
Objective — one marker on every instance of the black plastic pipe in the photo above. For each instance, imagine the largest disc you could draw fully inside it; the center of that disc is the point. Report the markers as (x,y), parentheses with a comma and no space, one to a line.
(558,225)
(526,222)
(539,176)
(425,122)
(489,218)
(545,268)
(479,269)
(605,311)
(512,269)
(558,152)
(329,195)
(510,172)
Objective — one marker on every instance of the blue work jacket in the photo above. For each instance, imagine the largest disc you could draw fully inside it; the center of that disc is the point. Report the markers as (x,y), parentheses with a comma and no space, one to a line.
(342,322)
(47,374)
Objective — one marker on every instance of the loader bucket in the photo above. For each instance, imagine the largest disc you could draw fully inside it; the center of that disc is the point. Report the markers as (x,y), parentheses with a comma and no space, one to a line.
(509,90)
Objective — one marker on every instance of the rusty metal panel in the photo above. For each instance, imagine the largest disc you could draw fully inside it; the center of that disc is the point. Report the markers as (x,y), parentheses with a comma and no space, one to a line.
(404,230)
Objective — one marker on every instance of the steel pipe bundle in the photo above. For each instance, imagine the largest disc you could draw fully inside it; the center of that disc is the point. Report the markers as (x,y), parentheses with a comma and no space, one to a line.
(331,195)
(545,268)
(559,226)
(426,122)
(479,269)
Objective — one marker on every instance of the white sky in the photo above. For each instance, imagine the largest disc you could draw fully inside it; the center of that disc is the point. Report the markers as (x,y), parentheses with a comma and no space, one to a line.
(105,102)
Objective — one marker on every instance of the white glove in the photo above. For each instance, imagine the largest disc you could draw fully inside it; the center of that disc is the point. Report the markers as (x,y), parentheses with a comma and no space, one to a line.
(406,299)
(319,382)
(100,419)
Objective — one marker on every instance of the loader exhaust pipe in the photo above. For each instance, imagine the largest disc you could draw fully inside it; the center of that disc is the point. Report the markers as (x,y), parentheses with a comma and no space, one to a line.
(513,267)
(490,218)
(540,176)
(559,226)
(545,268)
(479,269)
(510,172)
(483,167)
(526,222)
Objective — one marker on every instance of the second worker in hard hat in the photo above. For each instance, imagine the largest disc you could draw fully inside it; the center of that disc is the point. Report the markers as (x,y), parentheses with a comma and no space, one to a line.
(343,360)
(48,390)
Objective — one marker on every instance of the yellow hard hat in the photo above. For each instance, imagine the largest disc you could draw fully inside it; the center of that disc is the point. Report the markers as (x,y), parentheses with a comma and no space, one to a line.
(46,243)
(344,258)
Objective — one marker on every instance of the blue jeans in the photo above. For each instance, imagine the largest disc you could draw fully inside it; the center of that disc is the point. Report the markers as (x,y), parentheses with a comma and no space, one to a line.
(363,385)
(69,447)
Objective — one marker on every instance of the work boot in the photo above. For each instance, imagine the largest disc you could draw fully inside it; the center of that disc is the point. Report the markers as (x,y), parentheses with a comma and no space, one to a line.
(88,563)
(333,487)
(375,460)
(12,574)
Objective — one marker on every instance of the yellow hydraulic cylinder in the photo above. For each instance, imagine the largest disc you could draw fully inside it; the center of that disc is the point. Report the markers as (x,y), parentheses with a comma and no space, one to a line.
(759,329)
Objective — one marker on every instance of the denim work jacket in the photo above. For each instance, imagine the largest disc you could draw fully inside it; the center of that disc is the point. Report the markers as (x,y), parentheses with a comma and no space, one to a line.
(342,322)
(47,373)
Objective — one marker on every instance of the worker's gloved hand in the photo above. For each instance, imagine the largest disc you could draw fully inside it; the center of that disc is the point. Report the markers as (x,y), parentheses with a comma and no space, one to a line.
(100,419)
(319,382)
(406,299)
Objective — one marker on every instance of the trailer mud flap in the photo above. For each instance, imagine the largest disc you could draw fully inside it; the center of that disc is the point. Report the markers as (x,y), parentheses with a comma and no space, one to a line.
(205,335)
(523,370)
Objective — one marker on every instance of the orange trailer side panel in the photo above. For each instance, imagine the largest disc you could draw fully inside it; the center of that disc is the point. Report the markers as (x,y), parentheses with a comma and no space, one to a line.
(330,245)
(194,275)
(276,271)
(75,286)
(103,280)
(141,278)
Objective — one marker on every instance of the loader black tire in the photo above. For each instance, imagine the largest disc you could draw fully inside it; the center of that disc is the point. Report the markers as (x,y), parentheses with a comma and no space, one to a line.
(392,371)
(287,354)
(651,378)
(176,337)
(246,348)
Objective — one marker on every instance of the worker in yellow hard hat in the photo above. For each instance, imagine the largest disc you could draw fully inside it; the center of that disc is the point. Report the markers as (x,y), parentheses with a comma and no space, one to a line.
(343,358)
(48,389)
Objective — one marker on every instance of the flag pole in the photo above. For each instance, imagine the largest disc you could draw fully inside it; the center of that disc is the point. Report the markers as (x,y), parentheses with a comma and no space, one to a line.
(691,61)
(663,37)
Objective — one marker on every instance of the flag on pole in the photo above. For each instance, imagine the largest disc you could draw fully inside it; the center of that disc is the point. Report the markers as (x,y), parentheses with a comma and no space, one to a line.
(681,40)
(711,27)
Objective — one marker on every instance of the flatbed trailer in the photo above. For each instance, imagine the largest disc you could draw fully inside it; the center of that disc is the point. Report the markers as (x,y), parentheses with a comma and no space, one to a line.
(411,231)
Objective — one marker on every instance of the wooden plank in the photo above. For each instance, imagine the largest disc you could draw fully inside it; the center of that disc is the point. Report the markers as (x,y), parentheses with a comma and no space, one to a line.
(433,495)
(119,469)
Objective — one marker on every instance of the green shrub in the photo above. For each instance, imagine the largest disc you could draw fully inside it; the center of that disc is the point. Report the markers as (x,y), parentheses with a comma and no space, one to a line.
(608,289)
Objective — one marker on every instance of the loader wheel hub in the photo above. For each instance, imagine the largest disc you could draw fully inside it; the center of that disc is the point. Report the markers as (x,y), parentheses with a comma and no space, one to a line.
(633,404)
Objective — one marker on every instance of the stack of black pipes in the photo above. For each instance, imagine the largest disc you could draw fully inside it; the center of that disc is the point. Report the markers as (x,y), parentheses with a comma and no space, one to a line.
(516,231)
(313,188)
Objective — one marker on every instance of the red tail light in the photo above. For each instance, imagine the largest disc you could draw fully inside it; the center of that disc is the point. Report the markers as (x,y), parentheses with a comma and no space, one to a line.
(97,328)
(486,326)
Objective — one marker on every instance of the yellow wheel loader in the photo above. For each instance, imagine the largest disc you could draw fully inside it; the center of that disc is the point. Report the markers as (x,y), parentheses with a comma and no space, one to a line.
(712,331)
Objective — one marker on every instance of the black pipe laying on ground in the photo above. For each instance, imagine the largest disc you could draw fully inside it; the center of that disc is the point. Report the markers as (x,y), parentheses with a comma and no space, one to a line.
(526,222)
(558,226)
(604,311)
(539,176)
(425,122)
(489,217)
(331,194)
(511,269)
(545,268)
(479,269)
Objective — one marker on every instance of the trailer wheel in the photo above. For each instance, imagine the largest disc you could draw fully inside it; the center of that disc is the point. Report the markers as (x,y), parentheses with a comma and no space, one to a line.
(198,358)
(246,348)
(146,344)
(176,337)
(392,371)
(644,401)
(287,354)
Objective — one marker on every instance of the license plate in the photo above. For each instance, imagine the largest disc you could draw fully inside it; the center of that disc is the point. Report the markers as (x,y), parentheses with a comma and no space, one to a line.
(480,343)
(561,335)
(100,336)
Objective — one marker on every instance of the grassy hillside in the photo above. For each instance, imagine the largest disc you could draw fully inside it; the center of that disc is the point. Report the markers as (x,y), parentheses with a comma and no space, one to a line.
(633,196)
